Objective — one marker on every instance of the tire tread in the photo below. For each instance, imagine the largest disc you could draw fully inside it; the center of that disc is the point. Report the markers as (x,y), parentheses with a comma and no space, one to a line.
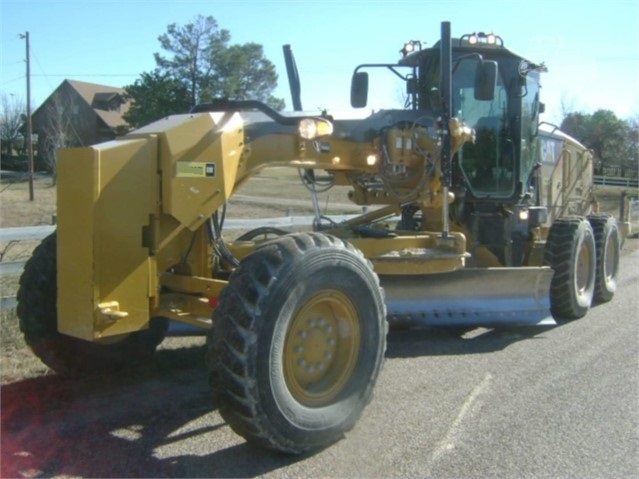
(249,286)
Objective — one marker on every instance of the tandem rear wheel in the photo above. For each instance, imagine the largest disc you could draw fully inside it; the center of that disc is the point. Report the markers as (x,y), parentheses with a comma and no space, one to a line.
(68,356)
(608,246)
(584,254)
(298,342)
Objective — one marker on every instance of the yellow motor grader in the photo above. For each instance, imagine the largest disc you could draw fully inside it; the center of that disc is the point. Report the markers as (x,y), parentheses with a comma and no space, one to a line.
(477,215)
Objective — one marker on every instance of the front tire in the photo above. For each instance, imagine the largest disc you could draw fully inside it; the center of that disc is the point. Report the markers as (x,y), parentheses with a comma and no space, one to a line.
(608,246)
(570,252)
(298,342)
(66,355)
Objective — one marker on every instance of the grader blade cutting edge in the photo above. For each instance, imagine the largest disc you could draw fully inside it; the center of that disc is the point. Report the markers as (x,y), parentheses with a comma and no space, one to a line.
(471,296)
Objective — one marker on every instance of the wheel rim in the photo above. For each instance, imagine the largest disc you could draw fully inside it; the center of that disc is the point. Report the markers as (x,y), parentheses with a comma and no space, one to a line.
(321,348)
(584,268)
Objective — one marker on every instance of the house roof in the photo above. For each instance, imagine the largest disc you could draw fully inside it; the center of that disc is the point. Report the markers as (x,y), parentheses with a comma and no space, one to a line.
(96,96)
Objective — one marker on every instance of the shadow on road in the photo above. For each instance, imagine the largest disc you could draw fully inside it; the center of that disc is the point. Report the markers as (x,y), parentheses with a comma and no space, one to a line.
(112,426)
(442,341)
(118,425)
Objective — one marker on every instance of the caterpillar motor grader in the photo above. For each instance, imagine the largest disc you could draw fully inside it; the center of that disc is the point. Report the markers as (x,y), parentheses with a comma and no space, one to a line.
(478,215)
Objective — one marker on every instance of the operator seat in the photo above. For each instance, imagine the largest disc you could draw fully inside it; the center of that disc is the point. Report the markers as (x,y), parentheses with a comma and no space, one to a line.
(482,155)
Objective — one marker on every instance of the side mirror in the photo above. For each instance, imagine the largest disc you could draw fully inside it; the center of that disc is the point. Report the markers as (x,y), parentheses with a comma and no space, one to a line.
(485,80)
(359,89)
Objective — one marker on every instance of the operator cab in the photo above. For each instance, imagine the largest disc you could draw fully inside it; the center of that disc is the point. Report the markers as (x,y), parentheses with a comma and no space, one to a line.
(495,92)
(502,109)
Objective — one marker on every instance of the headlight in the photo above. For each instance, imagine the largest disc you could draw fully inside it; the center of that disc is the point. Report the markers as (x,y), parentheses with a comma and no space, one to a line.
(311,128)
(483,38)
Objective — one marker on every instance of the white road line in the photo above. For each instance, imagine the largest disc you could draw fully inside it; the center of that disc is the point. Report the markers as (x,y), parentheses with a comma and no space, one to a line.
(448,442)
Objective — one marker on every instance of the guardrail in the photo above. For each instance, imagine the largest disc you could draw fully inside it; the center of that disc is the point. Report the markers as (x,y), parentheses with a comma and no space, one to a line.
(616,181)
(39,232)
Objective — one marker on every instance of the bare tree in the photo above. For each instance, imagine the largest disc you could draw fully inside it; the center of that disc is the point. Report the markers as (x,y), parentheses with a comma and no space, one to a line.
(567,107)
(58,132)
(11,121)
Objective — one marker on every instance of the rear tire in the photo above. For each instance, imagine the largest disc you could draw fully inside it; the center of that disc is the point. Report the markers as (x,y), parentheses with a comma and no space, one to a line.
(66,355)
(607,244)
(570,252)
(297,343)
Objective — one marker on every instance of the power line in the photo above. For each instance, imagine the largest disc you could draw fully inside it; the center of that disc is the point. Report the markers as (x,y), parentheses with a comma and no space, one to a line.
(21,77)
(42,70)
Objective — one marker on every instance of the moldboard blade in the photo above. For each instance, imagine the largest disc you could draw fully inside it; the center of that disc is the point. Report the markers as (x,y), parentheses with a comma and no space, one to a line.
(470,296)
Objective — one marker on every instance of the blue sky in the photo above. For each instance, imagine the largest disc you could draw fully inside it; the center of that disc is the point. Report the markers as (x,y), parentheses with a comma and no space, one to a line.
(591,48)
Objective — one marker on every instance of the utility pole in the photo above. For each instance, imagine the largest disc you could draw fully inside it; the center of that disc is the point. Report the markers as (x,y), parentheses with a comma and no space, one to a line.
(29,126)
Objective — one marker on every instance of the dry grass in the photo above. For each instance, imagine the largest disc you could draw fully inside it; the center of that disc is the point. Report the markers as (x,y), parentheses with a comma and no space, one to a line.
(609,197)
(17,210)
(16,360)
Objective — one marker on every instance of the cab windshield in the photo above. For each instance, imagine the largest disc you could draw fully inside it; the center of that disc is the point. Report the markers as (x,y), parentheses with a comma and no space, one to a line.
(488,163)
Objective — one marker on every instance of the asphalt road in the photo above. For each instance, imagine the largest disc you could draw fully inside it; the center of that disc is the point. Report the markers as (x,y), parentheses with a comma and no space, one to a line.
(558,401)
